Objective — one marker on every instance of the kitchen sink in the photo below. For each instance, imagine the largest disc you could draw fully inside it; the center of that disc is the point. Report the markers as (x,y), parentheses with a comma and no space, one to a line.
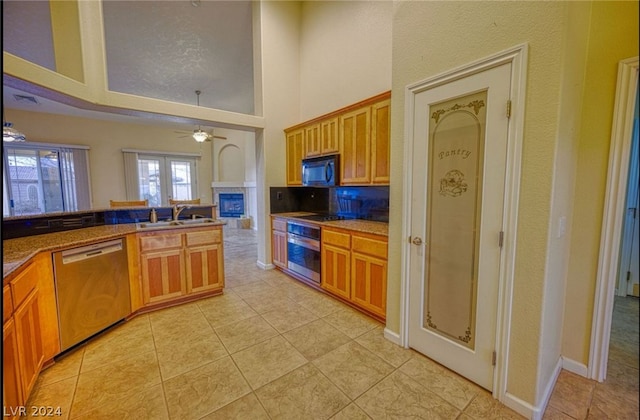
(171,224)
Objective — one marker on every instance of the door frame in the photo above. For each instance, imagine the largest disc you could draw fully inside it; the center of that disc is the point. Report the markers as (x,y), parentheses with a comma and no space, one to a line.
(613,216)
(517,56)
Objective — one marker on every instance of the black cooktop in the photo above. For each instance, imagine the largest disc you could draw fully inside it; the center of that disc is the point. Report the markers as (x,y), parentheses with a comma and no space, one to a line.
(321,217)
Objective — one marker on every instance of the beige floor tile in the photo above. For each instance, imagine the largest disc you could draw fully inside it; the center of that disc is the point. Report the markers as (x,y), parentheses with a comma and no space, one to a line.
(316,338)
(286,318)
(304,393)
(167,332)
(351,322)
(319,304)
(353,368)
(391,353)
(554,414)
(57,395)
(441,381)
(115,381)
(398,396)
(245,333)
(267,302)
(65,367)
(187,354)
(116,344)
(147,404)
(269,360)
(227,312)
(485,407)
(572,394)
(615,401)
(253,289)
(351,412)
(245,408)
(204,390)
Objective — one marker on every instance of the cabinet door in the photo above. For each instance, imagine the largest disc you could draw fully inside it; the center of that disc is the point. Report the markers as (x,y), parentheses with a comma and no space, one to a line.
(369,283)
(329,139)
(380,139)
(312,140)
(279,248)
(11,383)
(29,340)
(162,275)
(295,154)
(205,269)
(355,144)
(336,270)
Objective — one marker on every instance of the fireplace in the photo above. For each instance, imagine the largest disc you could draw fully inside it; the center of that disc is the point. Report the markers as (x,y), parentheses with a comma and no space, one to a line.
(231,204)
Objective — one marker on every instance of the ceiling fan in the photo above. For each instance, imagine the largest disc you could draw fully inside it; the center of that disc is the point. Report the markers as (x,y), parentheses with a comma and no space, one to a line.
(199,134)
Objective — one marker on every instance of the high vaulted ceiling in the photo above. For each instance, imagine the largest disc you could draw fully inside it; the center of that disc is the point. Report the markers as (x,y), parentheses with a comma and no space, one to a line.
(158,49)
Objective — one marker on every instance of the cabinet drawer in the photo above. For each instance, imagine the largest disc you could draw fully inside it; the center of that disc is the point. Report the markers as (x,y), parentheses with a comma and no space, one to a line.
(7,304)
(333,237)
(213,236)
(23,284)
(280,224)
(369,246)
(153,242)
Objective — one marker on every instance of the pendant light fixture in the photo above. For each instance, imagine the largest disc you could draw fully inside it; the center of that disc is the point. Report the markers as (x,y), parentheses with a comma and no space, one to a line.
(10,134)
(199,135)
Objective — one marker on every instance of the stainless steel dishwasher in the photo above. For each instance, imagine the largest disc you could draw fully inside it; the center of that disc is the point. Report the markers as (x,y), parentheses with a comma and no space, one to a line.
(92,289)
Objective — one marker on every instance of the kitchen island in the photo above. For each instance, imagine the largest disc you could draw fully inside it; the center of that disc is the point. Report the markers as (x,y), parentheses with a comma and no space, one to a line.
(165,264)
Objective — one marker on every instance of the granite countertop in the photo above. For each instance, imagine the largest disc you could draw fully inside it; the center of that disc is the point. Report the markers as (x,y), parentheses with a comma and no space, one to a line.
(358,225)
(18,251)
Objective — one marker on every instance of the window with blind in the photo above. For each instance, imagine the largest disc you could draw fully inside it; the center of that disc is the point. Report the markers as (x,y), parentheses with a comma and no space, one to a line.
(44,178)
(158,177)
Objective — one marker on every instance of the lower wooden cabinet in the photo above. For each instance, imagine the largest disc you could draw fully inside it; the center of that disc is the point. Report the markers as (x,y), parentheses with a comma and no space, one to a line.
(354,267)
(279,241)
(180,262)
(23,335)
(12,397)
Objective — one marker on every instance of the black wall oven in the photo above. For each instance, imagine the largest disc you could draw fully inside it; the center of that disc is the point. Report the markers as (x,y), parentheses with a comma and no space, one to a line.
(303,250)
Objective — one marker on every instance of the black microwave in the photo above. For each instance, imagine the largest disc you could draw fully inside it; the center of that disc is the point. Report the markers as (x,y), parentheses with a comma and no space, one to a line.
(321,171)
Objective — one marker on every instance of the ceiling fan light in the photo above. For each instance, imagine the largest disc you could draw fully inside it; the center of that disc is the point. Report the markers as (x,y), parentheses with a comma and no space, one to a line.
(200,136)
(11,134)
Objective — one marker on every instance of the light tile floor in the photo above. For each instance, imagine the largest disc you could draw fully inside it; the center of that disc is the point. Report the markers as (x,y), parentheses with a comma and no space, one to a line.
(269,348)
(575,397)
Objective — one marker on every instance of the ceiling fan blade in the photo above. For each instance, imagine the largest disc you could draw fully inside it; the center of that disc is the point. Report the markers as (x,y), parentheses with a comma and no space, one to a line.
(218,137)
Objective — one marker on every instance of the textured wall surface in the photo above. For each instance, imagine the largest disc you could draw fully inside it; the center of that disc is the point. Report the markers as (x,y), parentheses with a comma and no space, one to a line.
(433,37)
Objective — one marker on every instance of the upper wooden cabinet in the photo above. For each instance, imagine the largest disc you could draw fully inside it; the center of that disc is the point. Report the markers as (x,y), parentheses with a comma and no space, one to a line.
(295,154)
(359,133)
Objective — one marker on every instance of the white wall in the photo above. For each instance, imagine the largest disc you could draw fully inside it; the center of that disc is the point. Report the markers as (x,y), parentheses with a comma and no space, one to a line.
(345,54)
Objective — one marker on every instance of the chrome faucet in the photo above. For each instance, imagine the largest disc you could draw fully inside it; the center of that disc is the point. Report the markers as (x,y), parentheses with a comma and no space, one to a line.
(177,209)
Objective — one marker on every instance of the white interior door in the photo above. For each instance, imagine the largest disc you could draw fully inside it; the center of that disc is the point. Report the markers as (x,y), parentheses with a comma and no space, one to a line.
(629,256)
(460,134)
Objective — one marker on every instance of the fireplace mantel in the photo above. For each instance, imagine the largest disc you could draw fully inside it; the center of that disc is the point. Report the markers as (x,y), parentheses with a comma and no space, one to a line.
(233,184)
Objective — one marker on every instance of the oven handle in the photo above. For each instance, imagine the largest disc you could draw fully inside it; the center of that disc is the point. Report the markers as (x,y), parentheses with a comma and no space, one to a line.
(304,242)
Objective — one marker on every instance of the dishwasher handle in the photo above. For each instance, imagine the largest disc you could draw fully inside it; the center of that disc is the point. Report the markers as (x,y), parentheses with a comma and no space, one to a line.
(91,251)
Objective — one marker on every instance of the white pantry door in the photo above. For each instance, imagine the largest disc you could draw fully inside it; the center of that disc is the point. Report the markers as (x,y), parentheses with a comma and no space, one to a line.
(459,157)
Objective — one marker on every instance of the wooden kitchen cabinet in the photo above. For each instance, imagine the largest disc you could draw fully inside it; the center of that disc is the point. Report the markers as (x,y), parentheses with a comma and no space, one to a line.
(354,267)
(279,242)
(180,262)
(380,141)
(369,273)
(355,145)
(329,138)
(205,261)
(295,154)
(12,396)
(312,144)
(162,266)
(29,340)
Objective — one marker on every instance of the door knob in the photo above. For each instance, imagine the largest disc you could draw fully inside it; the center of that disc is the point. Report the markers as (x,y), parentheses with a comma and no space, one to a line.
(417,240)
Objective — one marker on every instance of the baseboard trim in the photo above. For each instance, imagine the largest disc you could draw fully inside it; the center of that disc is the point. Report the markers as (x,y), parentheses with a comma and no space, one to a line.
(519,406)
(575,367)
(392,336)
(264,266)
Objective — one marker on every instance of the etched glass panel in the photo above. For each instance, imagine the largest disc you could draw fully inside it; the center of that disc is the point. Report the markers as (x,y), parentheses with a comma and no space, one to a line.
(454,197)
